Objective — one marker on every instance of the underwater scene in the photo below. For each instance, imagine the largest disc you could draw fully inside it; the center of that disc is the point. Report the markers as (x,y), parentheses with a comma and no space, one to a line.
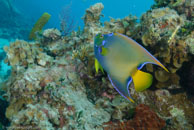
(97,65)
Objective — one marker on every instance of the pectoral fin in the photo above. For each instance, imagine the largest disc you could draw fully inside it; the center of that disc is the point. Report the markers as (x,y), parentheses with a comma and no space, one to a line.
(122,87)
(98,66)
(141,80)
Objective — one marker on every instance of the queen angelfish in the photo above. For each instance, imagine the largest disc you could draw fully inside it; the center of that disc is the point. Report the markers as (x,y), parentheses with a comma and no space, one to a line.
(123,58)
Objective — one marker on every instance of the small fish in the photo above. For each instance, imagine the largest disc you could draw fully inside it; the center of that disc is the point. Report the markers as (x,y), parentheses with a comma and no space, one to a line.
(123,58)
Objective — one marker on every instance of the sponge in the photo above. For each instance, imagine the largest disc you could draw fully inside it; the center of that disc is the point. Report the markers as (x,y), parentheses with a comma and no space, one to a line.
(39,25)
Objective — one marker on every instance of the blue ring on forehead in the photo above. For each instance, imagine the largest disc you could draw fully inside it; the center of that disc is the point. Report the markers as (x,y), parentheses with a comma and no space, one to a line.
(103,42)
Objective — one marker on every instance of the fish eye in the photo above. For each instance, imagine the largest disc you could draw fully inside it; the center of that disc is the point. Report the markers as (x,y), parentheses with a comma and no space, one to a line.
(101,36)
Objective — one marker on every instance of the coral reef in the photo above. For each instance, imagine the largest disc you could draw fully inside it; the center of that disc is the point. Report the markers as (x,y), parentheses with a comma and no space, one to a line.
(38,26)
(184,7)
(93,25)
(168,102)
(53,84)
(126,25)
(190,42)
(39,115)
(93,14)
(21,55)
(52,43)
(58,92)
(53,87)
(163,22)
(91,21)
(160,33)
(51,35)
(144,118)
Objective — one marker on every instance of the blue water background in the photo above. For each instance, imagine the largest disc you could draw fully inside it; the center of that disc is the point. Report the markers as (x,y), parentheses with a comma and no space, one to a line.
(112,8)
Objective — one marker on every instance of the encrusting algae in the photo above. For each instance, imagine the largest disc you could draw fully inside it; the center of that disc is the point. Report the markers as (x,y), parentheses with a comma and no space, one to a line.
(54,85)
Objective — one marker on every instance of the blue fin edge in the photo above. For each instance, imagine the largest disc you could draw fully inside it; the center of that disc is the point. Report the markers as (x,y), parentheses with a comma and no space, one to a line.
(142,65)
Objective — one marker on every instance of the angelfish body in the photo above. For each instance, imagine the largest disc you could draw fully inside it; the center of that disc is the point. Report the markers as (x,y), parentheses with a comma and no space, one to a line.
(122,58)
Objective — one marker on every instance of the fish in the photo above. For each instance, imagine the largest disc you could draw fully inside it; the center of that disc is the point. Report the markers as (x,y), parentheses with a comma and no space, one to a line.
(123,58)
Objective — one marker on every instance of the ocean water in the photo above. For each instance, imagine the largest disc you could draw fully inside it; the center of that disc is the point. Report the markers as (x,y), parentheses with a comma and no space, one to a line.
(112,8)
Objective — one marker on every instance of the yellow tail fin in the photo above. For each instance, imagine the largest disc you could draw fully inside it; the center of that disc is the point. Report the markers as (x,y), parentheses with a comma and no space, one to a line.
(141,80)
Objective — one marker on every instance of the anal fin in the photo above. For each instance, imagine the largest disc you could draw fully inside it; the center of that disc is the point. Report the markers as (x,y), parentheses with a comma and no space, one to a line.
(98,66)
(122,87)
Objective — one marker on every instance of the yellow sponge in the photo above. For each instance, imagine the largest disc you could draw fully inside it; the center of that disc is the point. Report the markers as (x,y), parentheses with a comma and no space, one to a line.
(39,25)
